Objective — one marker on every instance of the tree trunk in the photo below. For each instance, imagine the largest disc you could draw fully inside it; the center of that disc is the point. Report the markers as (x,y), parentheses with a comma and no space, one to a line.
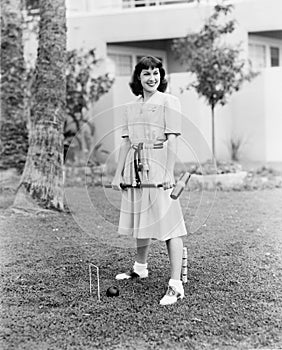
(14,133)
(213,133)
(41,185)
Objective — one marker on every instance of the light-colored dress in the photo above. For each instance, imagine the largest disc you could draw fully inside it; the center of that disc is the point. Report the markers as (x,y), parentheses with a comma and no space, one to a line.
(150,212)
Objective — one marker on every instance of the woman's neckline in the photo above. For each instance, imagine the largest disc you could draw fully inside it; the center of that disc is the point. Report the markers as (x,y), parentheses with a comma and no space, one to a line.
(148,99)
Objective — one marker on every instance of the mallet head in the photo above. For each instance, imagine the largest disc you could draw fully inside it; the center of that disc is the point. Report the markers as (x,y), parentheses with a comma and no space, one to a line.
(180,185)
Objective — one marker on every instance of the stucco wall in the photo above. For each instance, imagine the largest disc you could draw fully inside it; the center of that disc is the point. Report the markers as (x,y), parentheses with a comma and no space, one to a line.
(102,116)
(248,119)
(253,115)
(257,117)
(165,22)
(273,113)
(196,119)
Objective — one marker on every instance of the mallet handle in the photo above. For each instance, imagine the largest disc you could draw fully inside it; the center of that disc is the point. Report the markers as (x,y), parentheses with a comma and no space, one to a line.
(184,265)
(176,192)
(132,186)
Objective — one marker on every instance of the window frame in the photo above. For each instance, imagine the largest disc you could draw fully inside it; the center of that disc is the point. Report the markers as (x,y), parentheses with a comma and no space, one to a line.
(267,43)
(134,52)
(121,55)
(278,56)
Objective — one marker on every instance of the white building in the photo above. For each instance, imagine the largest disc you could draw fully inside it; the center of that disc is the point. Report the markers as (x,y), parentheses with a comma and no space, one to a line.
(124,30)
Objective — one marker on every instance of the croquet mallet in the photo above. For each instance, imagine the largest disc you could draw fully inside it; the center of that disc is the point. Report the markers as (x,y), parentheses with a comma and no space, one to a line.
(176,192)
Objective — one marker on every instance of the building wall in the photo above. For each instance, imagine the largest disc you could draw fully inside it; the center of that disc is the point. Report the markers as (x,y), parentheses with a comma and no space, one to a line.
(273,113)
(195,141)
(248,119)
(253,116)
(257,117)
(196,119)
(106,115)
(166,22)
(138,24)
(82,33)
(102,116)
(196,110)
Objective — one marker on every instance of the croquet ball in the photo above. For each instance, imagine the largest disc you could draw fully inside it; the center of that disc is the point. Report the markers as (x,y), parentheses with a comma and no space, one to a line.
(112,292)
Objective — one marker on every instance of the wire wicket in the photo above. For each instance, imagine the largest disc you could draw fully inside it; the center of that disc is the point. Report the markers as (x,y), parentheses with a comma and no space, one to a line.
(98,280)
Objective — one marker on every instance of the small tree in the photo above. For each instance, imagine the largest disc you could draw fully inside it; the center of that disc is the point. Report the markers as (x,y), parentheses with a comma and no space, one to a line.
(84,87)
(218,68)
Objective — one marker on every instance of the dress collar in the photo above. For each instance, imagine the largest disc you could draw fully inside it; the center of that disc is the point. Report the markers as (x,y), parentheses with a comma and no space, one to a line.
(141,100)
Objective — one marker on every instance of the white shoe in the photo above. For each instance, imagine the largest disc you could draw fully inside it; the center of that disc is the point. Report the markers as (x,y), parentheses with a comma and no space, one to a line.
(132,274)
(171,296)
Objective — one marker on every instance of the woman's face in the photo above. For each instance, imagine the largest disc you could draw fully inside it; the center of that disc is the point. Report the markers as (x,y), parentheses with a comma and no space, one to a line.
(150,79)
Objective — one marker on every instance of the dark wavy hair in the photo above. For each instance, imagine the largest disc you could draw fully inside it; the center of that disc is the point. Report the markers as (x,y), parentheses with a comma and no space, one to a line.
(147,62)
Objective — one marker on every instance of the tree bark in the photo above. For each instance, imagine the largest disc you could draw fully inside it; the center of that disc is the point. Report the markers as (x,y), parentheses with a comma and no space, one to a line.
(213,132)
(41,185)
(14,133)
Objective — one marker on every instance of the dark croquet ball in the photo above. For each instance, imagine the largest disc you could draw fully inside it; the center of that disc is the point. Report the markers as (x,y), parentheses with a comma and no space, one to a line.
(112,292)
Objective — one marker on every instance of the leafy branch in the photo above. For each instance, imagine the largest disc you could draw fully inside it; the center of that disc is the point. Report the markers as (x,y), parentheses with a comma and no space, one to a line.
(218,68)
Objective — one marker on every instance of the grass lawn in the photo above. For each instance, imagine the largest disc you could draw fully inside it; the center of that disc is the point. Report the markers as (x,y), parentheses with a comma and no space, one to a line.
(233,295)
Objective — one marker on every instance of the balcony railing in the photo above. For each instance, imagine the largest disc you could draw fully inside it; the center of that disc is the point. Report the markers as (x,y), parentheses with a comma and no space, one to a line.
(142,3)
(113,5)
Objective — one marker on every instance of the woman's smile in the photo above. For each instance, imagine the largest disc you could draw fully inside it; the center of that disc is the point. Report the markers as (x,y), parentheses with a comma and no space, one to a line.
(150,79)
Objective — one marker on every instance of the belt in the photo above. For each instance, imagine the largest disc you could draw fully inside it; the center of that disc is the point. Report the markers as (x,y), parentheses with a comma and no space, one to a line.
(143,145)
(138,165)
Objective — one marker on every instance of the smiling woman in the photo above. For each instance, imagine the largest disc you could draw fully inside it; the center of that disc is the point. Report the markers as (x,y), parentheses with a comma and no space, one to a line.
(150,81)
(148,67)
(147,155)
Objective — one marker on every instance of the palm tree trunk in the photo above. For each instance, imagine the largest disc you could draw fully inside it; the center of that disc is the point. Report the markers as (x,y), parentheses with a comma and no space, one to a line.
(14,133)
(213,132)
(41,184)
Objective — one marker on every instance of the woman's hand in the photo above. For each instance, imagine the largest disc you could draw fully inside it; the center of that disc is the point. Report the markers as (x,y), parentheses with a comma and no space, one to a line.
(117,180)
(168,180)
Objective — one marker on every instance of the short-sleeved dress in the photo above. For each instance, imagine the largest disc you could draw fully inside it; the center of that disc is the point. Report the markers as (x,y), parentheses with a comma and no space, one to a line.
(150,212)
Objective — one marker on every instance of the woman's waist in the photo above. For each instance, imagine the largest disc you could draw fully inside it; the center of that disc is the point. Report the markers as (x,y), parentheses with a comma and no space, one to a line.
(147,144)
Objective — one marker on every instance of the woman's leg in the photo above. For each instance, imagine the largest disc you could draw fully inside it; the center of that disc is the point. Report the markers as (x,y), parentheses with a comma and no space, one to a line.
(140,265)
(175,251)
(175,289)
(143,246)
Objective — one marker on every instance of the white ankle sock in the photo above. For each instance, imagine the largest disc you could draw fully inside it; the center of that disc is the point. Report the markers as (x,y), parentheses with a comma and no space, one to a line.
(139,268)
(176,283)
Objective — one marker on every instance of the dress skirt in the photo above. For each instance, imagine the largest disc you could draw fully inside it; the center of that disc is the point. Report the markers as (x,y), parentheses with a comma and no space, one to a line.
(149,212)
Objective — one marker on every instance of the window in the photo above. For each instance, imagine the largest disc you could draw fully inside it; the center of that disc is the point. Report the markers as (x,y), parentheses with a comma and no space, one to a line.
(138,58)
(257,54)
(125,58)
(274,56)
(123,63)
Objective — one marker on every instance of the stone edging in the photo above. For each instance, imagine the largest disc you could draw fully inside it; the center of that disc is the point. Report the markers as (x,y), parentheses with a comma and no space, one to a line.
(222,181)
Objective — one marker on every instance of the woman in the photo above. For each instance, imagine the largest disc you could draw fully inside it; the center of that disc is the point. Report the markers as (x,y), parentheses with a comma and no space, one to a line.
(147,155)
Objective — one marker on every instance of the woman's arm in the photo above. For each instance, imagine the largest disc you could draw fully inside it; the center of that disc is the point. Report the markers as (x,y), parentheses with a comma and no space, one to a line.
(124,148)
(168,180)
